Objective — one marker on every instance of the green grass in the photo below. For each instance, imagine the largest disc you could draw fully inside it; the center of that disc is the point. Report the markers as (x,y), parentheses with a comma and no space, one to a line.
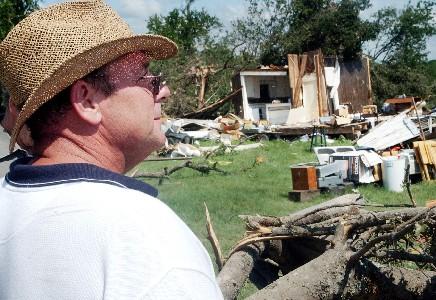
(248,190)
(422,192)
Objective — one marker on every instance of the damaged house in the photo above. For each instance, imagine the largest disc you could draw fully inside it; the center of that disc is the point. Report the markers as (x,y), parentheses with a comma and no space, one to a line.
(310,87)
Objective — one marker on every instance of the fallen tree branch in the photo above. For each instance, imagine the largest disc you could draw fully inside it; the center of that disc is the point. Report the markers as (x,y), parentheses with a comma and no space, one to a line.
(401,283)
(214,240)
(261,220)
(342,201)
(202,168)
(369,219)
(332,208)
(253,240)
(401,230)
(403,255)
(387,205)
(166,158)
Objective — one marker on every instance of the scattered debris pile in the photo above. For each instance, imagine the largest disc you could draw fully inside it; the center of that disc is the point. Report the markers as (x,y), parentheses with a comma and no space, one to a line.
(183,135)
(203,168)
(335,250)
(405,141)
(396,151)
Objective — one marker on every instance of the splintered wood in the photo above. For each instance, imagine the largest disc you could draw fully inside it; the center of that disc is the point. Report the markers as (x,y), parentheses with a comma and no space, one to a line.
(426,157)
(213,240)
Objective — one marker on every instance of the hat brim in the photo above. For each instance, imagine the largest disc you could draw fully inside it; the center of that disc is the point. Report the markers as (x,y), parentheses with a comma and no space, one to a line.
(156,47)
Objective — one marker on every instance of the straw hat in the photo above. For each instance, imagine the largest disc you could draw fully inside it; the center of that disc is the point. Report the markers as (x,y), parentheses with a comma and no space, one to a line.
(52,48)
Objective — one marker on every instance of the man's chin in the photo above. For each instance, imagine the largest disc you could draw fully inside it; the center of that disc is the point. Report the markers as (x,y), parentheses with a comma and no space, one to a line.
(162,140)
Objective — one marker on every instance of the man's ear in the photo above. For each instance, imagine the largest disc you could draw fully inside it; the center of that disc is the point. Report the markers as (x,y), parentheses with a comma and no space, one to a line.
(85,101)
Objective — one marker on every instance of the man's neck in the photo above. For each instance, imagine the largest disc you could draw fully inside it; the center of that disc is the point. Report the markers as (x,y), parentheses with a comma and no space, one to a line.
(64,150)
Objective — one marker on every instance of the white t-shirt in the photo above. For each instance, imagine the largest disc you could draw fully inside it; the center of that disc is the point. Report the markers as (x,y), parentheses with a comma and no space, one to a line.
(76,231)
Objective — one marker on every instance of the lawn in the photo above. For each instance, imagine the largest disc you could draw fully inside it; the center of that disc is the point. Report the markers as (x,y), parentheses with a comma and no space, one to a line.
(258,182)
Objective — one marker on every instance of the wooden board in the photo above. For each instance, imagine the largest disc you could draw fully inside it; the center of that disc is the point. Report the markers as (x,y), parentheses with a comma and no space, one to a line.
(293,73)
(299,83)
(321,85)
(430,204)
(399,100)
(355,86)
(425,152)
(348,130)
(418,160)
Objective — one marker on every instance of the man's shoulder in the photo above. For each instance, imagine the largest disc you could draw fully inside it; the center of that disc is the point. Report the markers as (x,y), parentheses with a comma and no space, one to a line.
(106,196)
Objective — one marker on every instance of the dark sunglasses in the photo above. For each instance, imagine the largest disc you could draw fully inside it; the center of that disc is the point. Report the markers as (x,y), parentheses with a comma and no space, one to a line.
(153,83)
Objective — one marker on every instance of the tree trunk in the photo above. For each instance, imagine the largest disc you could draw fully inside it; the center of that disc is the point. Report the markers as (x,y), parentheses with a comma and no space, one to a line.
(321,278)
(237,269)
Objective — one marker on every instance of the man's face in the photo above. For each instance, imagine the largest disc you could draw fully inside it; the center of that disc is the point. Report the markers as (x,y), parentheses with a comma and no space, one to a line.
(24,139)
(132,112)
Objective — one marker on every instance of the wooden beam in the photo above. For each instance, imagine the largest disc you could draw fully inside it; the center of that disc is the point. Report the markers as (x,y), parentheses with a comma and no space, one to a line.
(321,85)
(293,73)
(318,95)
(297,91)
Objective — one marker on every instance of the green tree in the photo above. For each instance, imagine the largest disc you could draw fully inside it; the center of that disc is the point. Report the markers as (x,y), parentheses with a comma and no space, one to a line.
(188,27)
(196,33)
(274,28)
(432,68)
(402,34)
(12,12)
(400,58)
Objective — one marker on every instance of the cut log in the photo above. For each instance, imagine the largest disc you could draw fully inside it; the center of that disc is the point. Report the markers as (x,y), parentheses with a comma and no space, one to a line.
(237,269)
(330,277)
(317,279)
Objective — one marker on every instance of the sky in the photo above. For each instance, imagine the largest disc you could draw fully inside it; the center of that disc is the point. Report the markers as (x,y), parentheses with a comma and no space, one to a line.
(135,12)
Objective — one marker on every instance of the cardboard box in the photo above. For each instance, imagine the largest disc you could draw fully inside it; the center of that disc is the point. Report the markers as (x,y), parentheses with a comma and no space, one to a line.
(369,109)
(342,111)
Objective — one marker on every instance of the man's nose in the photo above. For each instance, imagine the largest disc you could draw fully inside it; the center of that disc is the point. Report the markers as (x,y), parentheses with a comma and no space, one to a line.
(164,93)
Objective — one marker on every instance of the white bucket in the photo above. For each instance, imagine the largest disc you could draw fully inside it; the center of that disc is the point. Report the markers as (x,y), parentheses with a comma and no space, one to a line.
(393,172)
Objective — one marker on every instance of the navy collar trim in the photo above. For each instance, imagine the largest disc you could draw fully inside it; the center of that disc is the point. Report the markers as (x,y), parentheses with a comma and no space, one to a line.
(21,174)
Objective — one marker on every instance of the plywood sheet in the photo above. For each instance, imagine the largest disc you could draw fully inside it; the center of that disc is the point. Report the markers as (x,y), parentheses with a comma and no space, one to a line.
(355,86)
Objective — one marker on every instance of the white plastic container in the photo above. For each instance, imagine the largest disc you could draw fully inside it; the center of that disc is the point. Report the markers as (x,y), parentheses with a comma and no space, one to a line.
(393,172)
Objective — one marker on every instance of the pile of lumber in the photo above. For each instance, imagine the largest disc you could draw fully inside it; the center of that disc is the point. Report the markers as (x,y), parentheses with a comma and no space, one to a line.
(425,152)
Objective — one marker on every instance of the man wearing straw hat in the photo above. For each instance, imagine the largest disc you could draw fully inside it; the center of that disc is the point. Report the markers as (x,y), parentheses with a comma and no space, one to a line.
(71,226)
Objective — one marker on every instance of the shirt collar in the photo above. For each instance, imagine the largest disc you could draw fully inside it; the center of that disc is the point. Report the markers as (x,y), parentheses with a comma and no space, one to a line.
(22,174)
